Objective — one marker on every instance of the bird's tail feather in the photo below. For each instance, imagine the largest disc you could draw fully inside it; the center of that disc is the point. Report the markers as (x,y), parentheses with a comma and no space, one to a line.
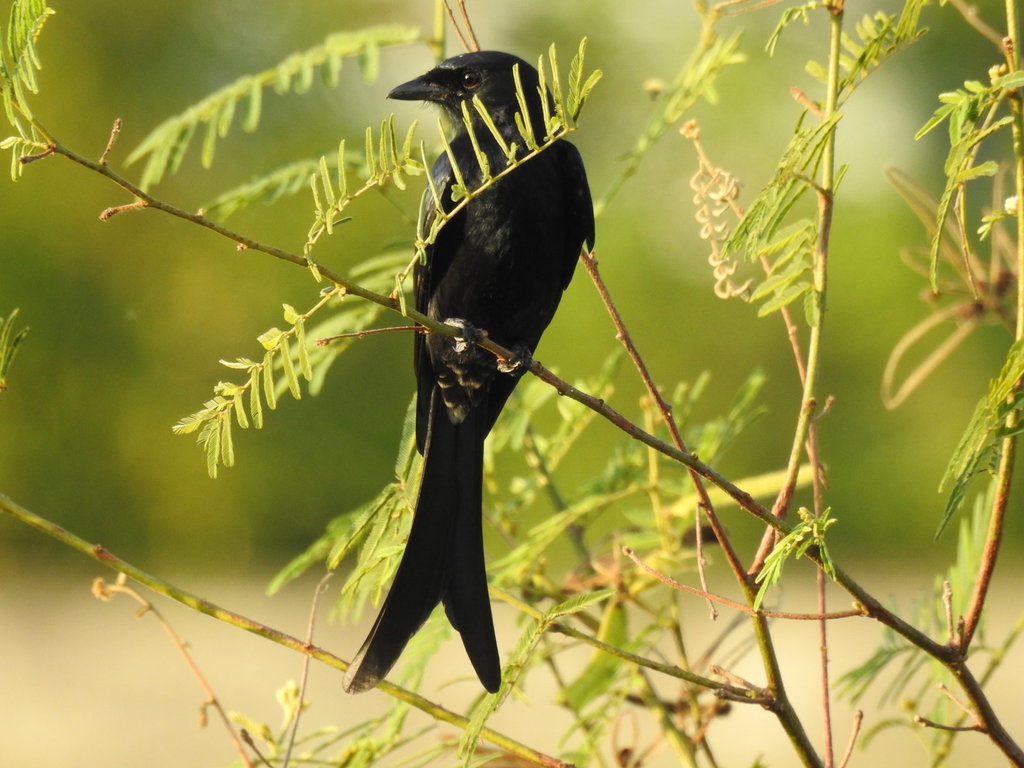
(443,559)
(465,600)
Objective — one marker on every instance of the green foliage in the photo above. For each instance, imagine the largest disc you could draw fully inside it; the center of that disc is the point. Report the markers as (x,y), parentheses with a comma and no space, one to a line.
(769,232)
(763,233)
(579,86)
(9,341)
(283,181)
(791,15)
(19,60)
(790,276)
(712,438)
(166,145)
(878,36)
(375,531)
(807,534)
(994,418)
(519,661)
(19,63)
(971,114)
(287,356)
(384,162)
(599,675)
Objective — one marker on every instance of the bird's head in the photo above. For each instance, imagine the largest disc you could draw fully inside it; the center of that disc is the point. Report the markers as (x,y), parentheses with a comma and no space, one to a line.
(487,74)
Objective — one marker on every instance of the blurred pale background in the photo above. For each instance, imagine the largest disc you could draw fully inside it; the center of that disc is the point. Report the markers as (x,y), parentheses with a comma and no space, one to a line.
(128,319)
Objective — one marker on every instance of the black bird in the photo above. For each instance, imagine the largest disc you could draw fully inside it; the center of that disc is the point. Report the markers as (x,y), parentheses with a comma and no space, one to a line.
(500,266)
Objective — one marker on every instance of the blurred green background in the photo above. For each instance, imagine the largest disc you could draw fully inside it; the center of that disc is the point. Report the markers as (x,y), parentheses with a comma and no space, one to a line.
(129,317)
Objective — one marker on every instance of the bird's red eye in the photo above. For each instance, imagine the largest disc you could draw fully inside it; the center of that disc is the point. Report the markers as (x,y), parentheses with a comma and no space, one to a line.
(470,79)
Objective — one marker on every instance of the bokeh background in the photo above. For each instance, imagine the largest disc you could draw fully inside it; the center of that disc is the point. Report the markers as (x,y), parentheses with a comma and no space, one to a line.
(129,317)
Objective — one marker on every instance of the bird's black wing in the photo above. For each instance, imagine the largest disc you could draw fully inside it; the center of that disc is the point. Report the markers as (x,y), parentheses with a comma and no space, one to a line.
(578,205)
(425,277)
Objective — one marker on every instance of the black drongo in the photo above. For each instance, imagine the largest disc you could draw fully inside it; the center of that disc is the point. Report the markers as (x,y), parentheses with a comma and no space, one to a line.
(500,265)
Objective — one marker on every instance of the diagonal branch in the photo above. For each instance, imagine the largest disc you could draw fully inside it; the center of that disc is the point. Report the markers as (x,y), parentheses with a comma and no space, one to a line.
(623,335)
(196,603)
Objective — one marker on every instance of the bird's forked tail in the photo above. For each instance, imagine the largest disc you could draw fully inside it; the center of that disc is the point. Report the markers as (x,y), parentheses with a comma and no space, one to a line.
(443,559)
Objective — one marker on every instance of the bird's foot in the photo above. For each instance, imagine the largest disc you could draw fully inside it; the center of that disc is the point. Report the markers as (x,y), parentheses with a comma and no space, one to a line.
(468,333)
(516,365)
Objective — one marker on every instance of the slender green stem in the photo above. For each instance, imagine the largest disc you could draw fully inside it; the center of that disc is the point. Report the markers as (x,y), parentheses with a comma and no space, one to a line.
(808,405)
(814,343)
(808,402)
(200,605)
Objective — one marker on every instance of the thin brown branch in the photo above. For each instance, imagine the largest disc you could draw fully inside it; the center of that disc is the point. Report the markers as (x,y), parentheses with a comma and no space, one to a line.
(736,7)
(753,694)
(983,713)
(947,606)
(104,591)
(993,541)
(468,24)
(248,739)
(304,675)
(959,704)
(26,159)
(821,580)
(468,38)
(323,341)
(921,720)
(114,132)
(669,581)
(623,335)
(973,18)
(858,720)
(108,213)
(804,101)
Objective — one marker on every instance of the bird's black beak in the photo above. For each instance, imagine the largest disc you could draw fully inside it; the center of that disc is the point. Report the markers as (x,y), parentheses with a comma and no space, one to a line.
(420,89)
